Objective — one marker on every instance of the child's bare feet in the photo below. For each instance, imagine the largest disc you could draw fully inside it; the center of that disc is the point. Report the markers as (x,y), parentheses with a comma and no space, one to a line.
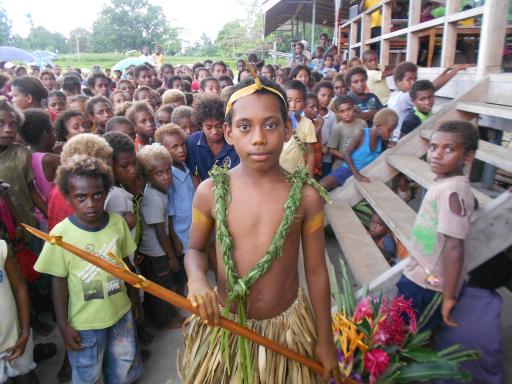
(175,322)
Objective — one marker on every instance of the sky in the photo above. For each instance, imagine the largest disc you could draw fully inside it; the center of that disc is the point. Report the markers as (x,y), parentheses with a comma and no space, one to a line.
(194,16)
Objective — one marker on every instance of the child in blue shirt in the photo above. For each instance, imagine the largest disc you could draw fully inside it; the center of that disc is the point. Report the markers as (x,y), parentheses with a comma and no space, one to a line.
(366,145)
(367,104)
(208,146)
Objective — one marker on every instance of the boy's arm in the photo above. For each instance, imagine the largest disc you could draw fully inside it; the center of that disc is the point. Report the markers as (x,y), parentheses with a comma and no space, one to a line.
(335,153)
(165,242)
(60,295)
(37,199)
(453,259)
(448,74)
(317,277)
(347,155)
(200,293)
(310,158)
(175,241)
(20,292)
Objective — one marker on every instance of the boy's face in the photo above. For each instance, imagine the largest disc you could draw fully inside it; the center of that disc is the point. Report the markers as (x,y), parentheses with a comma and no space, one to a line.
(371,62)
(202,74)
(377,227)
(57,70)
(385,130)
(48,82)
(145,124)
(144,78)
(148,96)
(324,97)
(167,73)
(258,131)
(446,155)
(266,72)
(177,147)
(125,168)
(424,101)
(177,84)
(303,77)
(213,130)
(20,100)
(8,129)
(295,100)
(74,126)
(339,88)
(56,104)
(298,49)
(101,87)
(323,40)
(212,87)
(328,62)
(240,66)
(218,71)
(119,98)
(87,195)
(311,109)
(319,53)
(187,125)
(160,175)
(125,128)
(128,88)
(358,84)
(102,112)
(407,82)
(345,113)
(163,117)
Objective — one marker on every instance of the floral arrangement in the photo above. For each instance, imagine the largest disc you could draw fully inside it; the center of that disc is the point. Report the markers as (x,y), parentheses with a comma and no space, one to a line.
(378,341)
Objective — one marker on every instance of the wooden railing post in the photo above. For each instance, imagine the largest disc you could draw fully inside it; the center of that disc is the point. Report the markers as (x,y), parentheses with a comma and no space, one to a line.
(386,28)
(412,37)
(449,35)
(492,38)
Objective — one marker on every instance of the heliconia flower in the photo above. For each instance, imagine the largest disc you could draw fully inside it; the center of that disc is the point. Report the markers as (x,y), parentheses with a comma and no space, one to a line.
(376,362)
(363,310)
(400,306)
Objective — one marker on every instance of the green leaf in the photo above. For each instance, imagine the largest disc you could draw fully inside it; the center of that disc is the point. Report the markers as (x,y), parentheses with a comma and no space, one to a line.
(432,370)
(423,355)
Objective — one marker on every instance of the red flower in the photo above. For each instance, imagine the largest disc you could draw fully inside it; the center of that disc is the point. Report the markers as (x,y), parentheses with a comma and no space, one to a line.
(363,310)
(376,362)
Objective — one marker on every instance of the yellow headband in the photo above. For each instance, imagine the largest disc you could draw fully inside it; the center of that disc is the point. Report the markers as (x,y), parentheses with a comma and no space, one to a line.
(249,90)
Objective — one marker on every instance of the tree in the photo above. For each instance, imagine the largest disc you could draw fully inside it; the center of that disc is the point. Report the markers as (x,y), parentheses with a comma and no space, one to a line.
(84,40)
(40,38)
(232,39)
(129,24)
(5,27)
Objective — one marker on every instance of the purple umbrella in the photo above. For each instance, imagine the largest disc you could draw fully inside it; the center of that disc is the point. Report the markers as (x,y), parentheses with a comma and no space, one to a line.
(15,54)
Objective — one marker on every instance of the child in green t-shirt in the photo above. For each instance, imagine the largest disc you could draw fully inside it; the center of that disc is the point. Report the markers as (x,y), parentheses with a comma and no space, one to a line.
(92,307)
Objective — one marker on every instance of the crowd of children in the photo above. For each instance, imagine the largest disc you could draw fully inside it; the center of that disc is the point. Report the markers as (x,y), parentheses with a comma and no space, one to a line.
(115,163)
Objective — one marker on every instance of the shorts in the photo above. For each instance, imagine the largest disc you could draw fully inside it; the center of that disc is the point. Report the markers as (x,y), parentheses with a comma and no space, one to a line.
(421,298)
(21,366)
(112,352)
(341,174)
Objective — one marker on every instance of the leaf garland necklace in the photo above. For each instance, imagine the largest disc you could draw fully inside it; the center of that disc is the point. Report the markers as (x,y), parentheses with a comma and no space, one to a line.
(238,287)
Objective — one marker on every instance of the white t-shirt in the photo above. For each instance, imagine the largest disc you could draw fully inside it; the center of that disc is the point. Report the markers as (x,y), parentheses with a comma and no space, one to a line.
(402,104)
(9,324)
(154,210)
(329,123)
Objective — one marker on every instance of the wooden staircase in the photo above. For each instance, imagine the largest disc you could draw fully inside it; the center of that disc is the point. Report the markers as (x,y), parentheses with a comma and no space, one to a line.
(491,226)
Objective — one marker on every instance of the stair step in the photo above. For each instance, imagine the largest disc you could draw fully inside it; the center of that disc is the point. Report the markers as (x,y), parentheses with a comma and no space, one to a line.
(493,154)
(397,215)
(419,171)
(361,253)
(496,110)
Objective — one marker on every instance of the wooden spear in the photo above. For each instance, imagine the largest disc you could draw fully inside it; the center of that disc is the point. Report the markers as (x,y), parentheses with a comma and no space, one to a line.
(122,272)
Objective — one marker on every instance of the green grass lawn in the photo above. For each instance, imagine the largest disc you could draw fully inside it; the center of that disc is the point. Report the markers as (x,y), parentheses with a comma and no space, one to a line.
(108,60)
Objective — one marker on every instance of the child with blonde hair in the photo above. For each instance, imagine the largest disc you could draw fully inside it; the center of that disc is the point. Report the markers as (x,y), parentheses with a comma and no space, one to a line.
(159,259)
(175,97)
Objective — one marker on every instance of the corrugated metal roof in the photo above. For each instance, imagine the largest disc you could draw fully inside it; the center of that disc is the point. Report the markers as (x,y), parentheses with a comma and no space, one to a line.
(280,12)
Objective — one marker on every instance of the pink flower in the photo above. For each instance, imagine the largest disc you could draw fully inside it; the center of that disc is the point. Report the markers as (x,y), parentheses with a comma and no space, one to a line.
(401,306)
(376,362)
(363,310)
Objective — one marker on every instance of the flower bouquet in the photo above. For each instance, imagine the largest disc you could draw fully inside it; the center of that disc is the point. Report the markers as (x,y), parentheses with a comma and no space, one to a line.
(378,341)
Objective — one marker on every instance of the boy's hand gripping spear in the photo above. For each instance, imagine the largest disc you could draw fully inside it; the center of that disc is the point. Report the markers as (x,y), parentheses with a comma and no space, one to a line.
(121,271)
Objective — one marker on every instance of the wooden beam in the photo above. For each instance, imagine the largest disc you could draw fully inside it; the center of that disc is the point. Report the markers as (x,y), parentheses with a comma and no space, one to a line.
(413,43)
(492,38)
(386,28)
(449,35)
(364,258)
(501,111)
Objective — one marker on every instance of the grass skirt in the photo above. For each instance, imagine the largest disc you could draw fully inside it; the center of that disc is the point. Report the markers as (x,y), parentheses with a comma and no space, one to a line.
(203,361)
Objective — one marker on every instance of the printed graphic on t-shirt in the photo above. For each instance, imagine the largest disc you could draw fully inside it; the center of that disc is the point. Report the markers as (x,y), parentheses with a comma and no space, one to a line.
(93,288)
(425,230)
